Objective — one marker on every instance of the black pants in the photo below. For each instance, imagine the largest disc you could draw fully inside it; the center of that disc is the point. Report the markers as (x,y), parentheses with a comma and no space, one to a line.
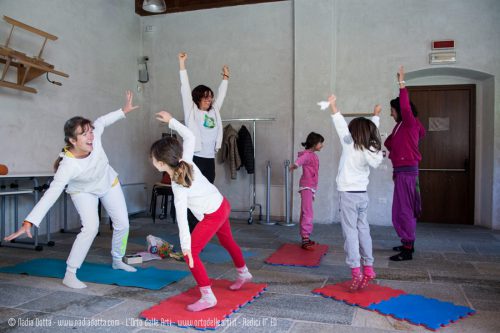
(207,168)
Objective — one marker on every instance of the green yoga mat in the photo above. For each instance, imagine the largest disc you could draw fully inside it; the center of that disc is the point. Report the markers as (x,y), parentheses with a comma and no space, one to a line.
(147,278)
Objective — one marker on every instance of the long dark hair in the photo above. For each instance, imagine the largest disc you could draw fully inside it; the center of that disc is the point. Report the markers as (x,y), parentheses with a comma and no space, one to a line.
(199,92)
(395,104)
(365,134)
(169,151)
(70,128)
(312,140)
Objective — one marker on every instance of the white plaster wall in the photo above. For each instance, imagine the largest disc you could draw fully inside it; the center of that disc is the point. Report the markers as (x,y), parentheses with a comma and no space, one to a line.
(98,45)
(255,41)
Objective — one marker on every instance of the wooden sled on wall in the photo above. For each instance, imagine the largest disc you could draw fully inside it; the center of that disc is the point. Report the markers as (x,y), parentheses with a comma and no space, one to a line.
(28,68)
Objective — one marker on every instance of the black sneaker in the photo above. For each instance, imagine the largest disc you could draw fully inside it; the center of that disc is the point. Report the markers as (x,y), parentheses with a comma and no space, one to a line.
(400,248)
(402,256)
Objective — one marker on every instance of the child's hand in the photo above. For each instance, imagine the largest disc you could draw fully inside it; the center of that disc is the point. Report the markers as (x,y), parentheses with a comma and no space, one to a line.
(182,56)
(333,103)
(377,109)
(187,253)
(293,167)
(128,103)
(25,229)
(164,116)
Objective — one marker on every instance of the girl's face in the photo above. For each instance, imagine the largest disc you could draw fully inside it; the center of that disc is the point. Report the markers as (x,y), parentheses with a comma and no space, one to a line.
(394,114)
(318,146)
(205,102)
(83,144)
(161,166)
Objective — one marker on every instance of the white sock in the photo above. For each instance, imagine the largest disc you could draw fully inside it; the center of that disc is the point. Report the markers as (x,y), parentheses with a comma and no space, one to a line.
(70,280)
(119,264)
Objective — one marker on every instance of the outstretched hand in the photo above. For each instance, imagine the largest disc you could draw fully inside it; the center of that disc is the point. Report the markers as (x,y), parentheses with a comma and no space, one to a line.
(225,72)
(187,253)
(164,116)
(128,103)
(377,109)
(332,99)
(401,73)
(25,229)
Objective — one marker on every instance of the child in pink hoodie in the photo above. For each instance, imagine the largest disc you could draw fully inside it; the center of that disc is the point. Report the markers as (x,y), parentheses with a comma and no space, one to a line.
(308,184)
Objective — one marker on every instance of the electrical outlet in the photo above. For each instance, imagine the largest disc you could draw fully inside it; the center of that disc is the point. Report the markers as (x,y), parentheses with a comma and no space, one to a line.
(149,28)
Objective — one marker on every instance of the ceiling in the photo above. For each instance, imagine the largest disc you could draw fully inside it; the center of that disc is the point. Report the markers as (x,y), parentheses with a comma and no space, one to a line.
(174,6)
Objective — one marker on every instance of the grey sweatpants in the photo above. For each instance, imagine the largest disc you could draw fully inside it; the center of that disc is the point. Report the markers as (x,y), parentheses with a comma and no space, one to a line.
(355,228)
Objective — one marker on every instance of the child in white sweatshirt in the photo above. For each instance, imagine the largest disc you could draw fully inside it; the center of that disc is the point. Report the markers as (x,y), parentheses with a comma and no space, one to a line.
(194,191)
(84,167)
(361,146)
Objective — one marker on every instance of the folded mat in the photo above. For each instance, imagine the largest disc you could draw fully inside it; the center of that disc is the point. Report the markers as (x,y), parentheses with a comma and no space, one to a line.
(295,255)
(212,253)
(147,278)
(172,311)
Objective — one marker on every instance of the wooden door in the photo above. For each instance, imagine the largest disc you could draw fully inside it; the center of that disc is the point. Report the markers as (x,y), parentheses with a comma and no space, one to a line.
(447,166)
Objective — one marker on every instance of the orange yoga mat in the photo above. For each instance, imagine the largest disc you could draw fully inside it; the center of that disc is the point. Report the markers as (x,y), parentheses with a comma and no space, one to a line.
(172,311)
(295,255)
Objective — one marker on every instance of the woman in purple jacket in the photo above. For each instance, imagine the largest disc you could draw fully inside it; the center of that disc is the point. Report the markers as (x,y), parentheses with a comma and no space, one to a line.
(405,157)
(308,184)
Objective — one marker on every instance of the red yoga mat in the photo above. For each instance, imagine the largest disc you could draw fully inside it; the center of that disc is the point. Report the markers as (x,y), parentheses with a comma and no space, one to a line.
(370,295)
(172,311)
(295,255)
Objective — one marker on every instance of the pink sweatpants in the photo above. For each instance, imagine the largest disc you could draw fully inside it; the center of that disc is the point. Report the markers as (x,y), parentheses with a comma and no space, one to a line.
(306,213)
(216,223)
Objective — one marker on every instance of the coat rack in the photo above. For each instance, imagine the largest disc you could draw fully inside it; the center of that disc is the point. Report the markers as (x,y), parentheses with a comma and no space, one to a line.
(28,68)
(254,200)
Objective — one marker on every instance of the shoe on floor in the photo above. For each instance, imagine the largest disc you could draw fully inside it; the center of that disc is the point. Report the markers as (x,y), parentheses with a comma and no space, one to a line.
(402,256)
(400,248)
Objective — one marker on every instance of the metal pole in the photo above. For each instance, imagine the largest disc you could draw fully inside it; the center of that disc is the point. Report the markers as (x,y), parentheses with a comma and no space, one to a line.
(287,196)
(268,196)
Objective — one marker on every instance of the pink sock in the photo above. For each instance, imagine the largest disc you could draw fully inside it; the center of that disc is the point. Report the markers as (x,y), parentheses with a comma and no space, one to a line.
(368,271)
(244,276)
(206,301)
(356,271)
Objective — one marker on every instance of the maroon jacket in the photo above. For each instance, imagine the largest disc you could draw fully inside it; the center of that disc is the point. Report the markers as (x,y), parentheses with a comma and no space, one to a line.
(403,141)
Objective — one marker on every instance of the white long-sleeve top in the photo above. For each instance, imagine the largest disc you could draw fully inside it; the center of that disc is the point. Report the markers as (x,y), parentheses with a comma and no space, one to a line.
(91,174)
(193,116)
(201,197)
(354,166)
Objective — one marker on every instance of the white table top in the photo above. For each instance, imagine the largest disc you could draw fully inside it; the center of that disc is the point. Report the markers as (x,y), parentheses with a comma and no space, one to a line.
(27,175)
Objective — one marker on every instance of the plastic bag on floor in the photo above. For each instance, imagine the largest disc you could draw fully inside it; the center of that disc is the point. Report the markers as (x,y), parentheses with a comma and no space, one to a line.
(162,248)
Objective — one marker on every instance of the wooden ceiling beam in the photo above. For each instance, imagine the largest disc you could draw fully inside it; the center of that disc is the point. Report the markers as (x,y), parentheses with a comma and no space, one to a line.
(174,6)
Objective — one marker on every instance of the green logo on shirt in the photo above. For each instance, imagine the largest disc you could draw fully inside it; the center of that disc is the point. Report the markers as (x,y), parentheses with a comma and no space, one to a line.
(209,122)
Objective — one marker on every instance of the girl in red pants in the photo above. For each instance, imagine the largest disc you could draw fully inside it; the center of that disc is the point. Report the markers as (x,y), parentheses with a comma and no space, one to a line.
(192,190)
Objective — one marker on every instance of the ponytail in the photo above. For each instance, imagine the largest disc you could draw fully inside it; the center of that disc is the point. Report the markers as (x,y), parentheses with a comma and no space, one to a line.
(183,174)
(59,159)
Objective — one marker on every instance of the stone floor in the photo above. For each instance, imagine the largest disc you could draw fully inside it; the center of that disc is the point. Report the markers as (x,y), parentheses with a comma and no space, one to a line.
(453,263)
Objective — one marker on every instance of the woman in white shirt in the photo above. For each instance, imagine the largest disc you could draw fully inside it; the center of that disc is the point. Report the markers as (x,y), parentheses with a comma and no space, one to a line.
(193,190)
(84,167)
(202,117)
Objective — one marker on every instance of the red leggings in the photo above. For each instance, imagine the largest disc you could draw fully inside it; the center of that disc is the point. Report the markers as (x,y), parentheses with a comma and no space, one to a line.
(214,223)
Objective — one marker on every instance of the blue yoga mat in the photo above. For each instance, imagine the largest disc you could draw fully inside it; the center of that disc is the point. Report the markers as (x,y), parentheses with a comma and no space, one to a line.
(428,312)
(147,278)
(212,253)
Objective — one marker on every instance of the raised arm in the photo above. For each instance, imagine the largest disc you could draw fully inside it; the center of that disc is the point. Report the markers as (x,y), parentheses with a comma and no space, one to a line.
(404,100)
(221,93)
(338,120)
(187,99)
(110,118)
(376,115)
(188,138)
